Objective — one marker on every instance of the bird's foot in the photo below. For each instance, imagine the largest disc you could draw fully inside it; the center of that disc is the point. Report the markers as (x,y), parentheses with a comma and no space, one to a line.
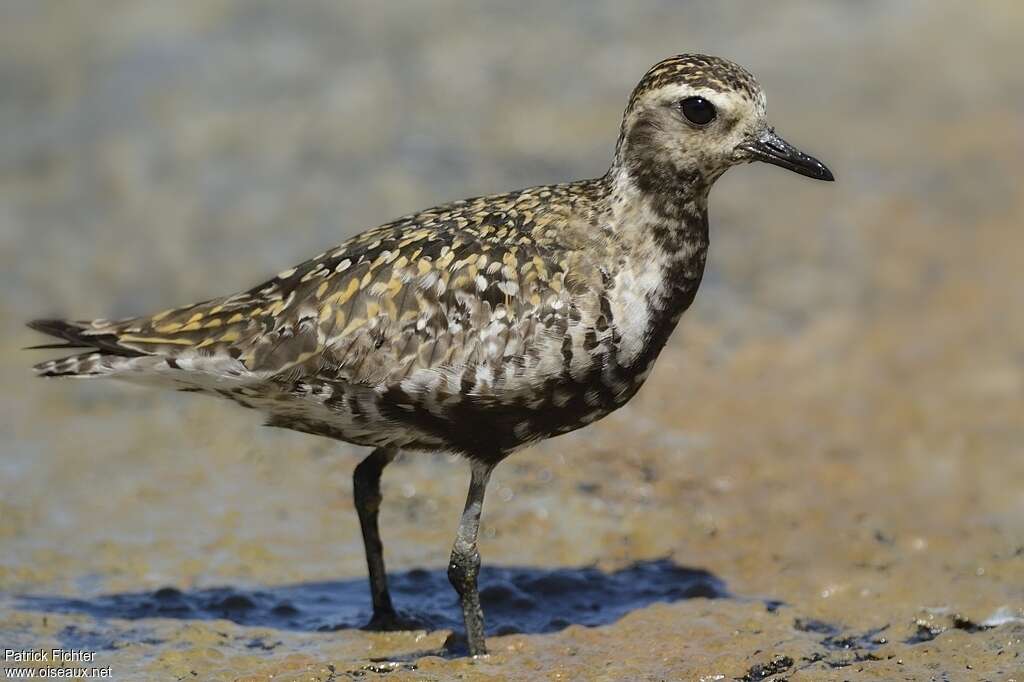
(391,621)
(457,644)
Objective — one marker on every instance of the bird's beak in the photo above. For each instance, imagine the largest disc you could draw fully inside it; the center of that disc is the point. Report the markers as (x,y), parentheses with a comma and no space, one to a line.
(771,148)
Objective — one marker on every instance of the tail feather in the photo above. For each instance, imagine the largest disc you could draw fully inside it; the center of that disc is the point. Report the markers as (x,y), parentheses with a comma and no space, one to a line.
(82,335)
(48,346)
(91,364)
(99,360)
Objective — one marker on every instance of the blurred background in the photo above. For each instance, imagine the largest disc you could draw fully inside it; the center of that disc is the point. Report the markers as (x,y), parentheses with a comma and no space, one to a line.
(836,425)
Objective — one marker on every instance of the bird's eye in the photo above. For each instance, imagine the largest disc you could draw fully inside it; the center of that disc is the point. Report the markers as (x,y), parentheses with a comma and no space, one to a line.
(698,110)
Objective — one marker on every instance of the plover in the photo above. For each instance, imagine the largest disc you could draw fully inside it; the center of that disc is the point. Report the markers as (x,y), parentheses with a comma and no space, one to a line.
(476,327)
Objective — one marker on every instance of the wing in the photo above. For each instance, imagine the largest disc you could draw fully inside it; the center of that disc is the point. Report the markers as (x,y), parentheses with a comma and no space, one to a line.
(478,283)
(455,288)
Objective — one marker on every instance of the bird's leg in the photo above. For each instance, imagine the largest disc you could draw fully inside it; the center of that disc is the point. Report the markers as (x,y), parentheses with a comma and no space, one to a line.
(366,491)
(465,562)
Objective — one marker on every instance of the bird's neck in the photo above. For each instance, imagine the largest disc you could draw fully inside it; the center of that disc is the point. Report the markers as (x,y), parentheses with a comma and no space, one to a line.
(665,229)
(665,241)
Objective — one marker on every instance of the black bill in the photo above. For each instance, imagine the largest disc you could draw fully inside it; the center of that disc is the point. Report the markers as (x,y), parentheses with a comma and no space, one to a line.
(771,148)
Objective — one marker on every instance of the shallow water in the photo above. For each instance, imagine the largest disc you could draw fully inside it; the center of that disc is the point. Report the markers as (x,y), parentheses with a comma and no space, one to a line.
(821,480)
(517,600)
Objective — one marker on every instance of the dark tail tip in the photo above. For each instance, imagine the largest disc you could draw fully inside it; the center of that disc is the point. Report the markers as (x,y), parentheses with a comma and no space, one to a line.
(62,329)
(81,335)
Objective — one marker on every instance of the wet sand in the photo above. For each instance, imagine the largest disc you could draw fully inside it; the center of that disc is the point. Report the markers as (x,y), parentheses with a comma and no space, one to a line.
(822,480)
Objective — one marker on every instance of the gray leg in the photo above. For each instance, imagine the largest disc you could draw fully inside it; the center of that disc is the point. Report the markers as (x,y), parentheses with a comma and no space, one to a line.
(465,562)
(366,491)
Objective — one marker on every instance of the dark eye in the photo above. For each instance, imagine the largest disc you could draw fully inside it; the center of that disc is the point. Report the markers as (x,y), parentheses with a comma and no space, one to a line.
(698,110)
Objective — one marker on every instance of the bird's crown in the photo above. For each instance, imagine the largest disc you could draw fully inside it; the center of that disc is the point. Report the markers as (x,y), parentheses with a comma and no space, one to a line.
(698,71)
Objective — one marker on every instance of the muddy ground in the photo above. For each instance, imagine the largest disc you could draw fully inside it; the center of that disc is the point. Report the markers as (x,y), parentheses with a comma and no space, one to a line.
(822,480)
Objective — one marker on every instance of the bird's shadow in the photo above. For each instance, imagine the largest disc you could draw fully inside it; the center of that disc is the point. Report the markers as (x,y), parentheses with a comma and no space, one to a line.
(515,599)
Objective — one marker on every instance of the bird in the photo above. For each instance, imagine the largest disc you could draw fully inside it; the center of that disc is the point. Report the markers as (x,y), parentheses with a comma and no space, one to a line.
(477,327)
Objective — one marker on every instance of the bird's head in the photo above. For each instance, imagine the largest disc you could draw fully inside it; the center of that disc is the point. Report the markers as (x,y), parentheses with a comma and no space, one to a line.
(692,117)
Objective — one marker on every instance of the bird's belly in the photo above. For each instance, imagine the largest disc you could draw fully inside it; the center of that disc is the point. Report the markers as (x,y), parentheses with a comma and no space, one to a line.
(494,418)
(484,425)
